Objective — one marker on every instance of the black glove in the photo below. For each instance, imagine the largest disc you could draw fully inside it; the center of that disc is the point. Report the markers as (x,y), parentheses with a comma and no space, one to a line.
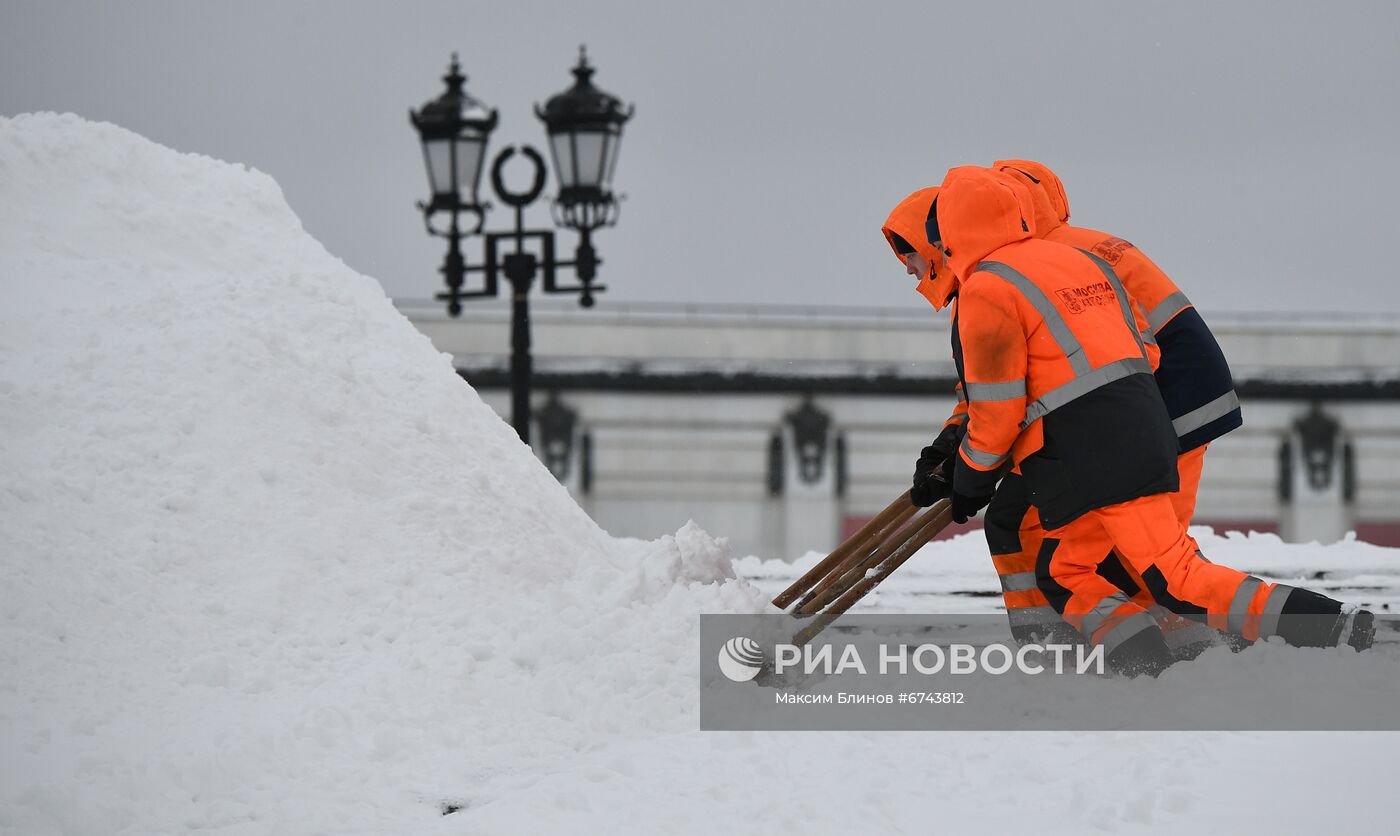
(931,485)
(966,507)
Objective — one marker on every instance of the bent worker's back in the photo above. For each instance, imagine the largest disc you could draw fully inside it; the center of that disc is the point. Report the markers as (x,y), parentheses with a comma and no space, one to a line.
(1056,375)
(1194,376)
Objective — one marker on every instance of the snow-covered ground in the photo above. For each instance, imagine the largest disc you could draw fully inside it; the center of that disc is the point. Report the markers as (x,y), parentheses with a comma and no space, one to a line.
(957,576)
(269,566)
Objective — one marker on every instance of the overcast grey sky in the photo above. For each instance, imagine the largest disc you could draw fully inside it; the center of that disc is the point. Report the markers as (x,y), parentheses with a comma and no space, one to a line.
(1248,147)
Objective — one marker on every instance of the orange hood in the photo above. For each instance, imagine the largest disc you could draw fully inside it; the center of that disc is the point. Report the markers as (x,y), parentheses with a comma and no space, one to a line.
(1046,189)
(980,211)
(907,221)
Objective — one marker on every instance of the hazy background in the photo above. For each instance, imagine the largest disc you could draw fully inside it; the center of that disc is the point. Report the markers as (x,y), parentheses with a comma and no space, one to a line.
(1249,147)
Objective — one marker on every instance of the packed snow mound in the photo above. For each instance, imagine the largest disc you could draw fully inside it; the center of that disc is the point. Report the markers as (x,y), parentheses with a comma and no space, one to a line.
(265,554)
(271,567)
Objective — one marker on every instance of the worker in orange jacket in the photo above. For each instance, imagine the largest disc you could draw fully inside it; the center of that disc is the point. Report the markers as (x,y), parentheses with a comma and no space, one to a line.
(1011,522)
(1193,377)
(1058,382)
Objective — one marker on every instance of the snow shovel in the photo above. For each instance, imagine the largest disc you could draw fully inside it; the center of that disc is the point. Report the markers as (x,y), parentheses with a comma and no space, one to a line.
(860,563)
(867,573)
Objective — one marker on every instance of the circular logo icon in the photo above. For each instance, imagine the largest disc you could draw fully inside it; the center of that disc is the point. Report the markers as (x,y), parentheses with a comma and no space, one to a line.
(740,659)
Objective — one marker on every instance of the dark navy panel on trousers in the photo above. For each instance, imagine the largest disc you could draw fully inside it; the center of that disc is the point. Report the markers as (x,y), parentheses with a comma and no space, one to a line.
(1002,522)
(1053,590)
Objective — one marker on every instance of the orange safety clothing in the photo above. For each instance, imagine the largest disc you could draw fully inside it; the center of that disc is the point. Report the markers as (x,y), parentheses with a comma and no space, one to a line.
(1012,527)
(1061,577)
(1147,533)
(1194,377)
(1028,605)
(936,283)
(1044,335)
(1014,538)
(1188,470)
(1055,371)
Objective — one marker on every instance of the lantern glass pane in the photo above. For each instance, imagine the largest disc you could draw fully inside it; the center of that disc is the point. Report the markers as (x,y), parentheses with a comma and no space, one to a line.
(614,143)
(563,158)
(437,154)
(591,146)
(469,152)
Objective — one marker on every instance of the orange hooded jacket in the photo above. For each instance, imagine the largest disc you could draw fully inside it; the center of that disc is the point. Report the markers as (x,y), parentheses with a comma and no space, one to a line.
(1159,296)
(907,221)
(1193,376)
(1051,360)
(937,283)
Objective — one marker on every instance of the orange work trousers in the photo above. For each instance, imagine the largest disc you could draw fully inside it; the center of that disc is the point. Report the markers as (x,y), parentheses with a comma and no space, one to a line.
(1188,470)
(1150,539)
(1118,570)
(1014,535)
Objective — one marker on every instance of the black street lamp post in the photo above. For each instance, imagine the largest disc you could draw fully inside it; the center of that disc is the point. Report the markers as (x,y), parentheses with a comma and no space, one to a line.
(584,126)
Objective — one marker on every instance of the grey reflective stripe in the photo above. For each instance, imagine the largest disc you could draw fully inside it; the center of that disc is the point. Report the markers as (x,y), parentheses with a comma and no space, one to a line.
(1239,605)
(1166,309)
(1124,303)
(1059,329)
(1008,391)
(980,458)
(1273,608)
(962,396)
(1086,377)
(1186,633)
(1018,582)
(1026,616)
(1083,385)
(1093,619)
(1129,628)
(959,418)
(1202,415)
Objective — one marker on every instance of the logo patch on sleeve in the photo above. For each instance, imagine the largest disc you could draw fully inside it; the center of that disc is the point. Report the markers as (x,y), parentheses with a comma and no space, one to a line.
(1111,249)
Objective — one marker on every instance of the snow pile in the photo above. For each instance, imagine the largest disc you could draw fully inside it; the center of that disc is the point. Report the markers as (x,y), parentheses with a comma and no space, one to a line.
(271,567)
(266,558)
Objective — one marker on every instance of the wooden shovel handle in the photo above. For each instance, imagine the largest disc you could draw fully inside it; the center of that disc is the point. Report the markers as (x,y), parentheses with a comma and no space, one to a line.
(928,527)
(876,549)
(838,556)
